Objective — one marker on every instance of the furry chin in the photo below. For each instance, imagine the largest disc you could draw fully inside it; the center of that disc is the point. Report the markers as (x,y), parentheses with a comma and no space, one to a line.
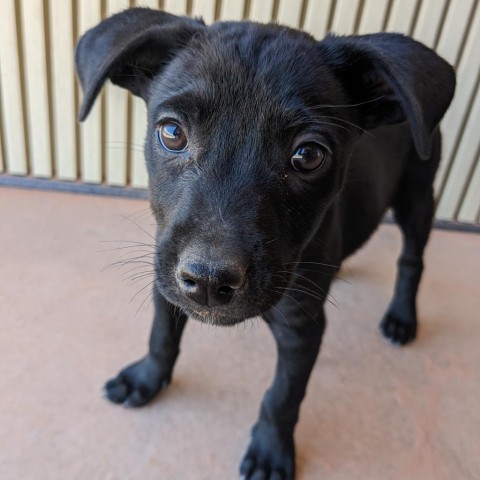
(213,319)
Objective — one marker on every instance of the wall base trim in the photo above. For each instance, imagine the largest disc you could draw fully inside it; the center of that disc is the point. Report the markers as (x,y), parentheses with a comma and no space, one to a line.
(128,192)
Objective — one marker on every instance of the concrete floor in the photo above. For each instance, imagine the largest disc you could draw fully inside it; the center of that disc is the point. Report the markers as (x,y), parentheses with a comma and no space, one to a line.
(372,411)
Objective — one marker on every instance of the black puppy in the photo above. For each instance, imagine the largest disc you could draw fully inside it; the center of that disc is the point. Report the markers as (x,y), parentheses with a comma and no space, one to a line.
(271,158)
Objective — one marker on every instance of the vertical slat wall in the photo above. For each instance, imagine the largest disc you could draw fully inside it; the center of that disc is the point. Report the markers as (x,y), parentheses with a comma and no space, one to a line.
(205,9)
(13,126)
(138,125)
(88,14)
(63,89)
(40,98)
(2,168)
(116,131)
(36,78)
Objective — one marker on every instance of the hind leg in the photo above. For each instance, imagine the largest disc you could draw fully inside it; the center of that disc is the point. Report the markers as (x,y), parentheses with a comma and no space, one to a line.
(414,210)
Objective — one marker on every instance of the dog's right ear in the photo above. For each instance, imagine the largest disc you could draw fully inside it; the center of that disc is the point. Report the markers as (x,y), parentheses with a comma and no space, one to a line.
(130,48)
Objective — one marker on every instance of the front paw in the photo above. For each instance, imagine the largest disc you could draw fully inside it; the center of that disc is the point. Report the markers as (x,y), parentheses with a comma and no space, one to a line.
(270,456)
(138,383)
(398,331)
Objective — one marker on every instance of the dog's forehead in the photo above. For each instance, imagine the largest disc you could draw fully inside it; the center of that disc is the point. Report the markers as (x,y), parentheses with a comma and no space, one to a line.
(240,63)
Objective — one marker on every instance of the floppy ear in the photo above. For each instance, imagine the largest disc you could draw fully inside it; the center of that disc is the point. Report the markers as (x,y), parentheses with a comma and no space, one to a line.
(130,48)
(392,78)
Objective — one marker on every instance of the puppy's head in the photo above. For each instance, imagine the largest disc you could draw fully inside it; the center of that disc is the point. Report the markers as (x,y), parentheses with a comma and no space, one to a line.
(250,129)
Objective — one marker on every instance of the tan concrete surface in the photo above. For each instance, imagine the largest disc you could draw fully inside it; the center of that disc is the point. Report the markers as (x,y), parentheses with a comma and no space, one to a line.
(373,412)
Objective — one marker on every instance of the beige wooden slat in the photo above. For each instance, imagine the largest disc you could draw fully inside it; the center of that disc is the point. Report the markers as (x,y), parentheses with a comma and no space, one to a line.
(154,4)
(290,12)
(2,164)
(261,10)
(428,21)
(89,14)
(345,16)
(63,91)
(470,208)
(15,160)
(138,112)
(116,112)
(178,7)
(316,18)
(466,155)
(373,16)
(204,9)
(453,29)
(401,15)
(35,64)
(467,73)
(139,177)
(232,10)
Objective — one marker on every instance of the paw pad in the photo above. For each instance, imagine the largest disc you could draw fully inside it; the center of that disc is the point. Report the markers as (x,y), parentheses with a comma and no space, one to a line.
(399,332)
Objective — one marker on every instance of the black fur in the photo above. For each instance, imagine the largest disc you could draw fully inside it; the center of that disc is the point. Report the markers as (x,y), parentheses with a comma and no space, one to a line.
(241,233)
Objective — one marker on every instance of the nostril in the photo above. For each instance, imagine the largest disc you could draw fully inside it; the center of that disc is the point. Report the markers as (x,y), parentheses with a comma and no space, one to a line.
(209,284)
(225,290)
(188,282)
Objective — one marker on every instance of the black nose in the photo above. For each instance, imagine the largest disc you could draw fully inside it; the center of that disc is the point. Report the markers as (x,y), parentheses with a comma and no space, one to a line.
(209,284)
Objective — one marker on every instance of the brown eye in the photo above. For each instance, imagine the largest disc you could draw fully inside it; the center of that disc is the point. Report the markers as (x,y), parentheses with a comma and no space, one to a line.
(309,157)
(172,137)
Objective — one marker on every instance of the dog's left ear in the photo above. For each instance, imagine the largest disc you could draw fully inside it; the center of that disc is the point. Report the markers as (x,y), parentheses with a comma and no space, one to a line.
(389,78)
(130,48)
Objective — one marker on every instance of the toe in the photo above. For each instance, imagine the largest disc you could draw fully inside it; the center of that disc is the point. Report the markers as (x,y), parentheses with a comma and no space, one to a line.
(259,474)
(138,397)
(116,390)
(246,467)
(399,332)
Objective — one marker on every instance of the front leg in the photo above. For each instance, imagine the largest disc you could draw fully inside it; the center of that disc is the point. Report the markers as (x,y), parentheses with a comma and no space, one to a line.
(139,382)
(271,454)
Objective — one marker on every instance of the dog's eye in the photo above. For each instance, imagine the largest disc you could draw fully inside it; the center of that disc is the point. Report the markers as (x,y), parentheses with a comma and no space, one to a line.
(309,157)
(172,137)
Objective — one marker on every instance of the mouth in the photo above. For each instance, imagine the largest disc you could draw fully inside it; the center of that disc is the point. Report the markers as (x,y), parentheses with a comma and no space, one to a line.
(222,316)
(253,299)
(213,318)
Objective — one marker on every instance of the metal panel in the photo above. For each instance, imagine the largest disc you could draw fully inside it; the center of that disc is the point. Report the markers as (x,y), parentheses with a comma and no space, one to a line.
(12,110)
(289,13)
(470,209)
(232,10)
(204,9)
(38,120)
(2,165)
(428,21)
(63,89)
(138,173)
(317,17)
(456,22)
(116,113)
(139,128)
(460,171)
(261,10)
(345,16)
(91,142)
(373,16)
(178,7)
(468,72)
(402,15)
